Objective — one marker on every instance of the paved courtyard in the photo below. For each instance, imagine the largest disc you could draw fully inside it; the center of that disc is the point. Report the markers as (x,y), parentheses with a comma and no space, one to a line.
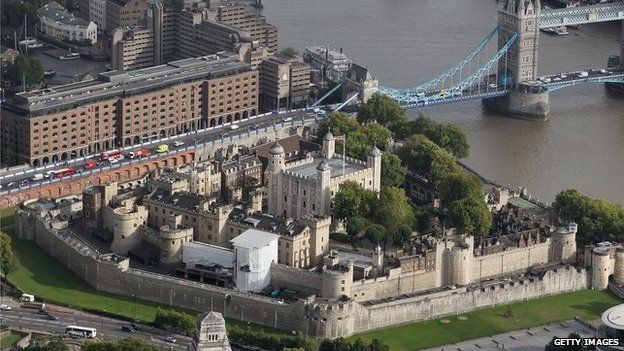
(533,339)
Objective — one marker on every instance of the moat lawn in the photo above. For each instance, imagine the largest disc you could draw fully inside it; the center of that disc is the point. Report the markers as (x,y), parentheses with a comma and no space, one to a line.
(42,275)
(587,304)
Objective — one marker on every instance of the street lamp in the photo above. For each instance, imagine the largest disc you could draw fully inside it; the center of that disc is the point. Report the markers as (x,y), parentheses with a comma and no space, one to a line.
(133,307)
(102,315)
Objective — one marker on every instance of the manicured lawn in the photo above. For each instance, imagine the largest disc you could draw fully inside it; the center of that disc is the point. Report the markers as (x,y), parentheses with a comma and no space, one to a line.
(7,219)
(587,304)
(10,340)
(42,275)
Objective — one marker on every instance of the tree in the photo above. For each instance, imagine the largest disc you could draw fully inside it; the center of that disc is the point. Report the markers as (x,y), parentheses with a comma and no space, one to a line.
(597,219)
(174,321)
(377,345)
(47,344)
(392,210)
(429,160)
(402,236)
(7,259)
(355,225)
(392,171)
(26,68)
(338,123)
(376,233)
(289,52)
(448,136)
(101,345)
(384,111)
(469,216)
(134,344)
(460,185)
(352,200)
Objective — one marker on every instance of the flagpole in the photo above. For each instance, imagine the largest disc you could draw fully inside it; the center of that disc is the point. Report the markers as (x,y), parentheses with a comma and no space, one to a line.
(344,142)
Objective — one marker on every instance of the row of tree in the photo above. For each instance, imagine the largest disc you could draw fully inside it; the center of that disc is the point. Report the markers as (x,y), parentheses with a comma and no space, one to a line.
(271,342)
(341,344)
(174,321)
(598,219)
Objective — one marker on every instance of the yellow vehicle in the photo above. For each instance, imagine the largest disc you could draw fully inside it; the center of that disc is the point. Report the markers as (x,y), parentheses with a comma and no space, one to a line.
(162,148)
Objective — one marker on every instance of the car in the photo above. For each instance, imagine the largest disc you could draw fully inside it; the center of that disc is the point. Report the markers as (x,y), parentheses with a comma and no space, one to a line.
(112,160)
(233,126)
(127,328)
(604,71)
(556,79)
(37,176)
(546,80)
(42,312)
(178,143)
(563,76)
(10,185)
(24,183)
(420,94)
(52,317)
(274,112)
(5,307)
(91,164)
(171,339)
(135,326)
(583,74)
(493,86)
(287,119)
(162,148)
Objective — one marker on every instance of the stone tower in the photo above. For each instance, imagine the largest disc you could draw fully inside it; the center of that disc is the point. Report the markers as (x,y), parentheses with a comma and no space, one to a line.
(329,145)
(323,178)
(458,261)
(618,269)
(563,246)
(522,17)
(374,160)
(210,334)
(277,164)
(602,267)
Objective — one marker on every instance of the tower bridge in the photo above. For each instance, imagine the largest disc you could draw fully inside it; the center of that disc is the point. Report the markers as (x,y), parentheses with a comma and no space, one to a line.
(508,79)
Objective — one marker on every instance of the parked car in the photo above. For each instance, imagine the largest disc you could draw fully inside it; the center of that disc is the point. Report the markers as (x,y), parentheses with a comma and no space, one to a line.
(178,143)
(5,307)
(52,318)
(171,339)
(127,328)
(37,176)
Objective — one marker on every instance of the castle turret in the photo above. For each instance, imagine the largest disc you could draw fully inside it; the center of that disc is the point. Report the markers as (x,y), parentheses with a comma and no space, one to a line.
(124,222)
(337,280)
(378,261)
(459,262)
(563,246)
(602,268)
(374,160)
(618,269)
(323,178)
(329,145)
(277,164)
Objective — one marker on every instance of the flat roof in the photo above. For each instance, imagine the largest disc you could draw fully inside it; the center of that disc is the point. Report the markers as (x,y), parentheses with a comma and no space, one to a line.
(254,239)
(522,203)
(614,317)
(309,170)
(114,84)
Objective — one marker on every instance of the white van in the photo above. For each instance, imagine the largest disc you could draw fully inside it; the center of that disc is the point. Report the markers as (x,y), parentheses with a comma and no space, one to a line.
(27,298)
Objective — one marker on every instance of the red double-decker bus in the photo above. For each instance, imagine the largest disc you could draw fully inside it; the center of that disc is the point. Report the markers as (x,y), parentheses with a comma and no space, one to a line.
(60,173)
(112,154)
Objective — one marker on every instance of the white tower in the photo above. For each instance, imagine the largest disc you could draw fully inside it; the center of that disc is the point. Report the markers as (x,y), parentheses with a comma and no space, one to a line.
(323,177)
(374,160)
(329,145)
(276,166)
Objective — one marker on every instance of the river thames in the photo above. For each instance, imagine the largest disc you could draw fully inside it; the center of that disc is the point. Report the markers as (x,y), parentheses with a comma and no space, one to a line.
(405,42)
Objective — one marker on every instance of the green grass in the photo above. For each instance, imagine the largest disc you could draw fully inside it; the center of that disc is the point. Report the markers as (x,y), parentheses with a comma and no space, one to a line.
(42,275)
(10,340)
(587,304)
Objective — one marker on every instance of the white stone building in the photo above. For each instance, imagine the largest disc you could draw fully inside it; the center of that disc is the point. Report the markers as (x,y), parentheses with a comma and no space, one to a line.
(254,252)
(210,334)
(306,187)
(56,22)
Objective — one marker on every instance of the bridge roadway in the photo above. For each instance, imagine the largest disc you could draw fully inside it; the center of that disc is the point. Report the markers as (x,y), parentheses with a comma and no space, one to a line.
(582,14)
(23,179)
(489,88)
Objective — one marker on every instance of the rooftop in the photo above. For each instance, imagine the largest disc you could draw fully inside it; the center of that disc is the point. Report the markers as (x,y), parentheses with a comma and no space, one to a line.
(181,199)
(116,84)
(614,317)
(57,13)
(266,223)
(254,239)
(335,164)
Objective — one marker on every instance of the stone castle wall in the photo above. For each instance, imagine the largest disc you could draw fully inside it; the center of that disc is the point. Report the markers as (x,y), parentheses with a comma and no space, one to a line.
(511,261)
(452,302)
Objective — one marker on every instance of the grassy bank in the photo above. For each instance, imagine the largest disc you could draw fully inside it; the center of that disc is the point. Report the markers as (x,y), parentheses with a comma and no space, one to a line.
(587,304)
(10,339)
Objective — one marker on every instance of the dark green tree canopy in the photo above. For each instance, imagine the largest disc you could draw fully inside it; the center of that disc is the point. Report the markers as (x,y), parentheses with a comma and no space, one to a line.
(28,68)
(384,111)
(469,216)
(392,170)
(460,185)
(352,200)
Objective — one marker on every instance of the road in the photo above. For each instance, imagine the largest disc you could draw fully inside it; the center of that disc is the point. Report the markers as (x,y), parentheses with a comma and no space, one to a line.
(28,320)
(23,179)
(521,340)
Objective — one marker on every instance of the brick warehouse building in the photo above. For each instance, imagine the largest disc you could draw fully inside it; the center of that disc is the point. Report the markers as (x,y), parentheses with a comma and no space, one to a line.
(125,108)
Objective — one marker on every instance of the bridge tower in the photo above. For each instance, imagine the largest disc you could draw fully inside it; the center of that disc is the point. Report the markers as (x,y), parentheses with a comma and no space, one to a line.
(518,68)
